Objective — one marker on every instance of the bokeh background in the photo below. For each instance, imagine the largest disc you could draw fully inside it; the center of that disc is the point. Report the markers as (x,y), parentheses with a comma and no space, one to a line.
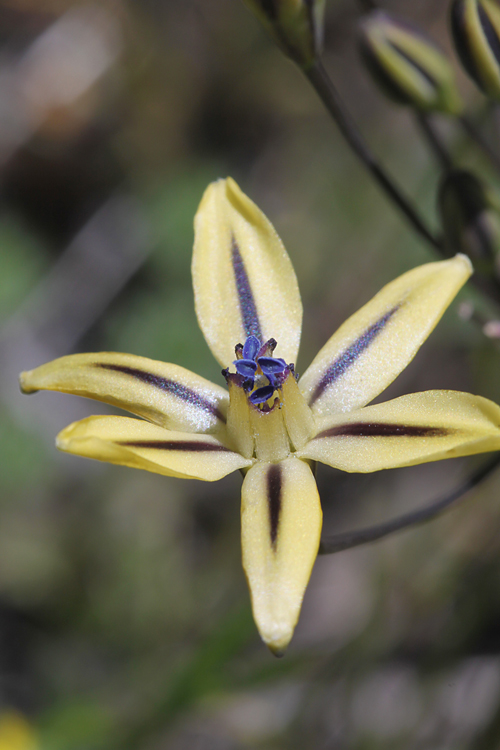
(124,615)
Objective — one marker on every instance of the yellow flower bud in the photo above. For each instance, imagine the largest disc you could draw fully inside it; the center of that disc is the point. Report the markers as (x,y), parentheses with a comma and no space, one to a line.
(407,65)
(475,25)
(295,25)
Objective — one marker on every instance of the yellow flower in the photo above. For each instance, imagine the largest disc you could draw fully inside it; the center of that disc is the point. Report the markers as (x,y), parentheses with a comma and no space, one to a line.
(269,425)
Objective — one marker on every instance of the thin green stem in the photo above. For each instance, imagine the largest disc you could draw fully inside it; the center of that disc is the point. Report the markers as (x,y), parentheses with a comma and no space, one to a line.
(475,135)
(348,539)
(326,90)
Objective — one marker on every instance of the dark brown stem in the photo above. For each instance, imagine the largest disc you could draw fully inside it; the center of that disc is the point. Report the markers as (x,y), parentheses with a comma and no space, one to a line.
(348,539)
(326,90)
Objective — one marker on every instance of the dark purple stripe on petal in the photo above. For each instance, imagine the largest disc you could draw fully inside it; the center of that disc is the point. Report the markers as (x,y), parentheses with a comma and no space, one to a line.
(248,309)
(274,487)
(388,84)
(193,446)
(383,429)
(423,72)
(462,42)
(489,33)
(171,387)
(350,355)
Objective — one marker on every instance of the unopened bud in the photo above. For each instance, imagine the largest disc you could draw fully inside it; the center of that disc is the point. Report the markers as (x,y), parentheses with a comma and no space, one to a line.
(296,26)
(475,26)
(470,214)
(407,64)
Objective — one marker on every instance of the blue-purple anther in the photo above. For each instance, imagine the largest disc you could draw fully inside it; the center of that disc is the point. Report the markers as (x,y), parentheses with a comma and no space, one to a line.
(254,359)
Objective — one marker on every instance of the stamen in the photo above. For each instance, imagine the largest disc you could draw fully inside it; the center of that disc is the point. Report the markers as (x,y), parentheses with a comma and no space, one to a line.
(257,369)
(251,347)
(273,369)
(269,364)
(233,377)
(267,349)
(261,395)
(246,367)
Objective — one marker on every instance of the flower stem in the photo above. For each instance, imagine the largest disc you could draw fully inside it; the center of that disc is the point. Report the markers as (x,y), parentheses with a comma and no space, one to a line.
(434,140)
(475,135)
(348,539)
(488,286)
(327,92)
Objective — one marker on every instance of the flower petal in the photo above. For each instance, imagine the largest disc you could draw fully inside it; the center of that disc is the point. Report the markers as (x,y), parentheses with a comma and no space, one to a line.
(299,420)
(142,445)
(244,282)
(239,433)
(280,527)
(375,344)
(409,430)
(165,394)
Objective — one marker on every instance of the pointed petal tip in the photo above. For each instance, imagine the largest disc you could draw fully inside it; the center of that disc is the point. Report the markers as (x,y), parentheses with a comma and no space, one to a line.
(218,183)
(24,382)
(466,262)
(277,639)
(65,439)
(221,183)
(226,188)
(62,439)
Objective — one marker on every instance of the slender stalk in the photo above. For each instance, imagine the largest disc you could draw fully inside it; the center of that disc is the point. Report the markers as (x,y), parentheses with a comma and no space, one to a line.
(426,125)
(487,285)
(326,90)
(478,138)
(348,539)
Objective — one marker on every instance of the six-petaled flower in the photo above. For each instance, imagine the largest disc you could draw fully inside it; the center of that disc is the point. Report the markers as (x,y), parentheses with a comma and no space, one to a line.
(269,425)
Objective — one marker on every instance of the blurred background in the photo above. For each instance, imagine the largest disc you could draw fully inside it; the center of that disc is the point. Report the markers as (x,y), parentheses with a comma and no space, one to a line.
(124,614)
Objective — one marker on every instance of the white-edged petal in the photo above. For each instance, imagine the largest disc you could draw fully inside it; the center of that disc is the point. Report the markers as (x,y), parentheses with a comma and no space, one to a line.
(244,282)
(375,344)
(165,394)
(412,429)
(281,522)
(142,445)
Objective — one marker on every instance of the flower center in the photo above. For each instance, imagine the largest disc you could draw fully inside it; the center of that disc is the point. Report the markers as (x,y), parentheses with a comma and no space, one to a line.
(267,417)
(261,373)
